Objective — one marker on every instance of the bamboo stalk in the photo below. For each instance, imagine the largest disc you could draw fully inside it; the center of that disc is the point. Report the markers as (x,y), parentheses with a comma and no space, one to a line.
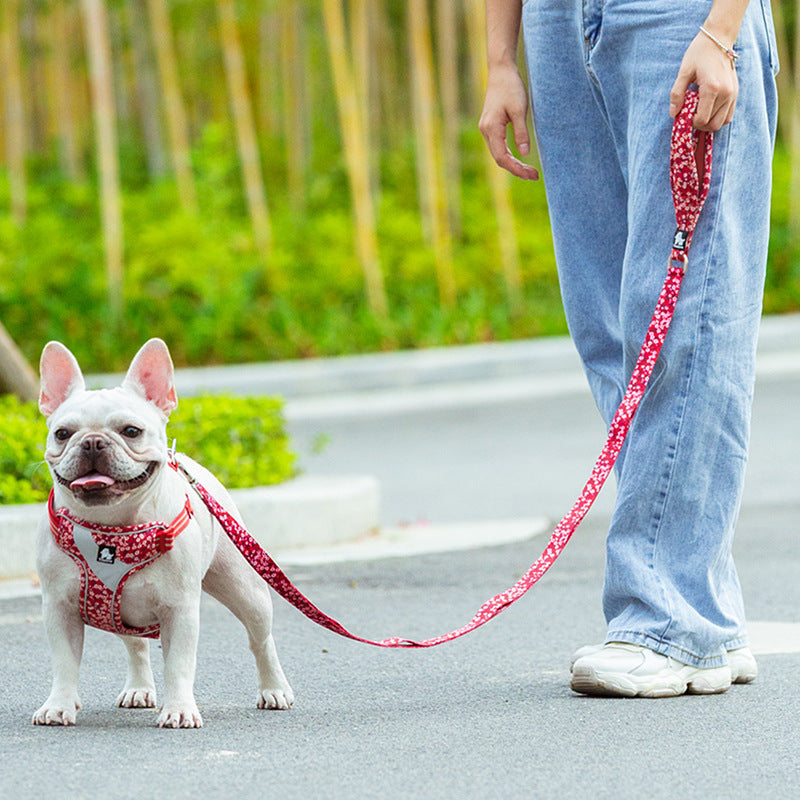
(268,67)
(784,79)
(3,115)
(174,107)
(364,19)
(146,90)
(391,90)
(294,117)
(15,112)
(447,49)
(34,75)
(100,71)
(355,147)
(122,67)
(360,59)
(429,150)
(239,95)
(68,153)
(498,179)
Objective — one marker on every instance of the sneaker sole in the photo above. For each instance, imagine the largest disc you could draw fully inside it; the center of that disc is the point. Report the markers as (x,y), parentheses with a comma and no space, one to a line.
(585,680)
(742,670)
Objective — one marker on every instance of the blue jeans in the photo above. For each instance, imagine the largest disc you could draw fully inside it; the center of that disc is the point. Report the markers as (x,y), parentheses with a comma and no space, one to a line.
(600,72)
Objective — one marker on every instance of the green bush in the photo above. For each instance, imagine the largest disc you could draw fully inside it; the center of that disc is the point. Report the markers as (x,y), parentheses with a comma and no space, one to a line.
(242,440)
(199,283)
(782,291)
(24,477)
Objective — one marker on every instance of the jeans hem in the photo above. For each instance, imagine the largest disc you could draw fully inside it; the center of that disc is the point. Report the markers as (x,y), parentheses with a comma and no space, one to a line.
(738,643)
(668,649)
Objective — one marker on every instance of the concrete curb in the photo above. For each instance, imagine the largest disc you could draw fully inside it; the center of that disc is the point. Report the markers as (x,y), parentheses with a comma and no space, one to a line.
(402,541)
(305,512)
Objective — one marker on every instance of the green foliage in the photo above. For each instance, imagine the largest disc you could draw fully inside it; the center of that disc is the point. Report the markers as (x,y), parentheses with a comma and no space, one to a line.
(199,283)
(782,291)
(242,440)
(24,477)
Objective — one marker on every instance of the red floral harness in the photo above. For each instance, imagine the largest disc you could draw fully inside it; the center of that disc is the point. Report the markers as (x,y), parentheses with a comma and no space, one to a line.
(107,556)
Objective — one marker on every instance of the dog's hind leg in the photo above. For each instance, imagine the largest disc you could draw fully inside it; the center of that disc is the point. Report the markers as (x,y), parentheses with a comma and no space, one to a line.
(140,688)
(232,581)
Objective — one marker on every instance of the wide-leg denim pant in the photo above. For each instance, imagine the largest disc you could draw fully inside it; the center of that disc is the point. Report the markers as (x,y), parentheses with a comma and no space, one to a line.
(600,72)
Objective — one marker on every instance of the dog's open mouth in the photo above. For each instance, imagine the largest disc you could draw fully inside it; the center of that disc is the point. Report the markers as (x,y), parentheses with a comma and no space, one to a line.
(98,482)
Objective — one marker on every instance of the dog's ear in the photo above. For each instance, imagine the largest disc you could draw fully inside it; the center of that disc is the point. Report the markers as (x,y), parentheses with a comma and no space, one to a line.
(60,377)
(151,375)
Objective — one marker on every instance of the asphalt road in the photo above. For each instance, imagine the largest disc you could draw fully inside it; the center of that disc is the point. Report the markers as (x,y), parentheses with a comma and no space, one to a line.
(489,716)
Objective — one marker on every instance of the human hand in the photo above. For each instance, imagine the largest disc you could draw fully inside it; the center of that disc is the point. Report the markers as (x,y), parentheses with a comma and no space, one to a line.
(507,103)
(706,65)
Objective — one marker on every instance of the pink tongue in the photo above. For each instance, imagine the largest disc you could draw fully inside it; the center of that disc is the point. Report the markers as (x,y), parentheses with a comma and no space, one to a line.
(93,480)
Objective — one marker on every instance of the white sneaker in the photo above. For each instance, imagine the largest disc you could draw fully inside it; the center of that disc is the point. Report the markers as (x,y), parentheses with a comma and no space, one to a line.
(628,670)
(744,668)
(742,662)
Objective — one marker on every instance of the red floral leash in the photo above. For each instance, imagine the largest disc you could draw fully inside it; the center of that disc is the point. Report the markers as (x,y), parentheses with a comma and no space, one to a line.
(690,181)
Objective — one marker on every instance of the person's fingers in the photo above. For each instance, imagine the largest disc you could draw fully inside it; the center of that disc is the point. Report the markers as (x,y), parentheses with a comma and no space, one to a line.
(708,68)
(494,132)
(506,103)
(708,105)
(678,91)
(516,167)
(519,124)
(715,107)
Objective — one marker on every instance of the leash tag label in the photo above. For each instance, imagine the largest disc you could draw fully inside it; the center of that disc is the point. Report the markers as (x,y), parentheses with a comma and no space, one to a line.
(106,554)
(680,239)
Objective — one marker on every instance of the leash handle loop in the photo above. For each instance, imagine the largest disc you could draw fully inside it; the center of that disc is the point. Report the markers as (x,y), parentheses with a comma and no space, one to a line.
(690,175)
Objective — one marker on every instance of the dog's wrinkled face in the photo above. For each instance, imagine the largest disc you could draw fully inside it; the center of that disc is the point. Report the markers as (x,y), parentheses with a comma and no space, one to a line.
(106,445)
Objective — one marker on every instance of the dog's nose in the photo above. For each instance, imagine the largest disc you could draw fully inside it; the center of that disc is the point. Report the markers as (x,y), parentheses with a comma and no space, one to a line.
(94,444)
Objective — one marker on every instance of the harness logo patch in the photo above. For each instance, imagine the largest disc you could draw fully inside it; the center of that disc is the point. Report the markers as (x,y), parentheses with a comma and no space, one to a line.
(106,554)
(681,237)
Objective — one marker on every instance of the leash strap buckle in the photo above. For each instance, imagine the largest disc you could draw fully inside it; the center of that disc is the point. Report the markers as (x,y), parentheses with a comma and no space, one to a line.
(679,263)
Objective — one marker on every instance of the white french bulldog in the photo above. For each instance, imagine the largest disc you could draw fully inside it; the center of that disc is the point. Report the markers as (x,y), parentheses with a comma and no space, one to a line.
(107,452)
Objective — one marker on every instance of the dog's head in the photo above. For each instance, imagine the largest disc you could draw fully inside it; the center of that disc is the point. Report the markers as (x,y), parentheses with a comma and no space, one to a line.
(106,445)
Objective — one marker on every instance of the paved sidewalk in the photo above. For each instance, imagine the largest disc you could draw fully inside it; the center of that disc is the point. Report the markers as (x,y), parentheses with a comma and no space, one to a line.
(487,717)
(486,436)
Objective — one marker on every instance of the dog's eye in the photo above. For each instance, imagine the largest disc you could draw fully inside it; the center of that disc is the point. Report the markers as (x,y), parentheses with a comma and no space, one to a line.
(131,431)
(62,434)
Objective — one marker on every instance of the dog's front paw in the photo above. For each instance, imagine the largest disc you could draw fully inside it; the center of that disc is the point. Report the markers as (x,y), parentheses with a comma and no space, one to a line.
(276,699)
(180,715)
(144,697)
(58,711)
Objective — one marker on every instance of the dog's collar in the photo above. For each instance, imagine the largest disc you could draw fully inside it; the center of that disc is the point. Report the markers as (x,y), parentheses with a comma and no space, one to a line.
(166,533)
